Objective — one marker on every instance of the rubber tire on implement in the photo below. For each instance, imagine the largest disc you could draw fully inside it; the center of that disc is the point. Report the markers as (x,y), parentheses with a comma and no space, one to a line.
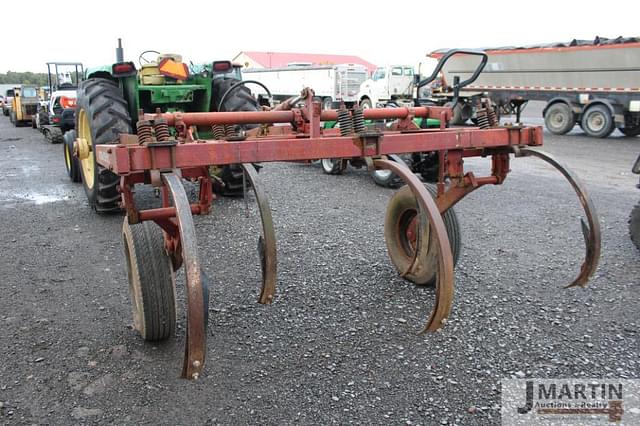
(402,207)
(607,127)
(559,118)
(634,225)
(71,163)
(238,100)
(386,178)
(151,280)
(108,116)
(333,166)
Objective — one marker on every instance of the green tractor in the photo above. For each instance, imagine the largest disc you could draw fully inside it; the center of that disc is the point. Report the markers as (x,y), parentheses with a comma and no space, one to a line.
(111,98)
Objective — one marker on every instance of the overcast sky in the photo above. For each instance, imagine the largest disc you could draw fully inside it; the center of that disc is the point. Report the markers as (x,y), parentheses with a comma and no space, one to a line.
(379,31)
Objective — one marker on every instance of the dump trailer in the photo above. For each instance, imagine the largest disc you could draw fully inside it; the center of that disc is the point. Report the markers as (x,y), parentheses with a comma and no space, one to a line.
(333,84)
(594,83)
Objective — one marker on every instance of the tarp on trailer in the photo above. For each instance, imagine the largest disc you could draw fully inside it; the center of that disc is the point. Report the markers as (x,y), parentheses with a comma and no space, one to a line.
(598,41)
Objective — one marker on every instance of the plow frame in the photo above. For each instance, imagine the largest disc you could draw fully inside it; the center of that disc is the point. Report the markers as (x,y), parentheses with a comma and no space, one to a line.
(164,164)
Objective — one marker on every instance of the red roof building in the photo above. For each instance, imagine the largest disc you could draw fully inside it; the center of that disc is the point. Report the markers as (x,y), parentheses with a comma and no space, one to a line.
(281,60)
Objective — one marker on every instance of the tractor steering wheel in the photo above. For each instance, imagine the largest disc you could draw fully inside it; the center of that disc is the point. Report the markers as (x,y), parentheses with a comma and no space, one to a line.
(141,58)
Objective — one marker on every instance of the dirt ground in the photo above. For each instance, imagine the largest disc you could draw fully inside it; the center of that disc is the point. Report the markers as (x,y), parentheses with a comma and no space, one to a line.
(339,344)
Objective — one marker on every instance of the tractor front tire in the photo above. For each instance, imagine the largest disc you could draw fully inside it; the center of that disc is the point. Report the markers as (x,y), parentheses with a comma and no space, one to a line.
(101,116)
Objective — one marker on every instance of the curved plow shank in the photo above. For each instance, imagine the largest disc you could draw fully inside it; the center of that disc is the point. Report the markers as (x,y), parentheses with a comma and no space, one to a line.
(195,345)
(267,242)
(591,233)
(444,283)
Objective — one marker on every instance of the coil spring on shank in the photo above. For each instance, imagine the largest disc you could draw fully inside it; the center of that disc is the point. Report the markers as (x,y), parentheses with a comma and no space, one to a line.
(218,131)
(162,130)
(491,115)
(144,131)
(346,125)
(358,120)
(229,130)
(483,118)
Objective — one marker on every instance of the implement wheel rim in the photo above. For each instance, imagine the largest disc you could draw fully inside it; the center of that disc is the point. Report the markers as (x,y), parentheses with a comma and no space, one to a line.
(88,164)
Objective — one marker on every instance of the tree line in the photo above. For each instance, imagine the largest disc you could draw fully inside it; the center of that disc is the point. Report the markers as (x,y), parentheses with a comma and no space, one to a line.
(30,78)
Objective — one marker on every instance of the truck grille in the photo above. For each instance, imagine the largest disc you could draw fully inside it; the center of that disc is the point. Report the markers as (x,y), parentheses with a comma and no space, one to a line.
(348,85)
(31,109)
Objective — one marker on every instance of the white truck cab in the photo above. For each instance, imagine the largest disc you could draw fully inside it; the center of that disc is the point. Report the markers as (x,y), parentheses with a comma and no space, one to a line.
(391,82)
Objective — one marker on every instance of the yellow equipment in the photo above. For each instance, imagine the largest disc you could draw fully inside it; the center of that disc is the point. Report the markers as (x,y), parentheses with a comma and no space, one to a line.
(24,105)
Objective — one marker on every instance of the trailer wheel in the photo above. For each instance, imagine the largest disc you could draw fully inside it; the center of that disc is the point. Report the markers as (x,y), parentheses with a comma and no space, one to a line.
(400,232)
(101,116)
(559,118)
(151,281)
(630,130)
(387,178)
(597,121)
(333,166)
(71,163)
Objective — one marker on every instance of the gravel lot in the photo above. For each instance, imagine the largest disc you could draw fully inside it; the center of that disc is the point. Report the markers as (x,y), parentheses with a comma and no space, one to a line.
(339,344)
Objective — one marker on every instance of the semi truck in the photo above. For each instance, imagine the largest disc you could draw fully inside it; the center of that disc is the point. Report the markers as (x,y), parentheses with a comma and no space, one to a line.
(592,83)
(333,84)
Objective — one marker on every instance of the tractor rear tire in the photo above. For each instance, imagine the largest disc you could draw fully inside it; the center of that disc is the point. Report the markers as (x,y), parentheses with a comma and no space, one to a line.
(238,100)
(151,281)
(401,215)
(634,225)
(71,163)
(101,116)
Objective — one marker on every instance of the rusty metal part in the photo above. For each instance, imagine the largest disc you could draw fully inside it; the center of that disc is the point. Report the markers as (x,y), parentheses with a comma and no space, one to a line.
(123,159)
(358,120)
(591,233)
(218,131)
(144,130)
(346,124)
(444,283)
(196,340)
(261,117)
(161,129)
(267,242)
